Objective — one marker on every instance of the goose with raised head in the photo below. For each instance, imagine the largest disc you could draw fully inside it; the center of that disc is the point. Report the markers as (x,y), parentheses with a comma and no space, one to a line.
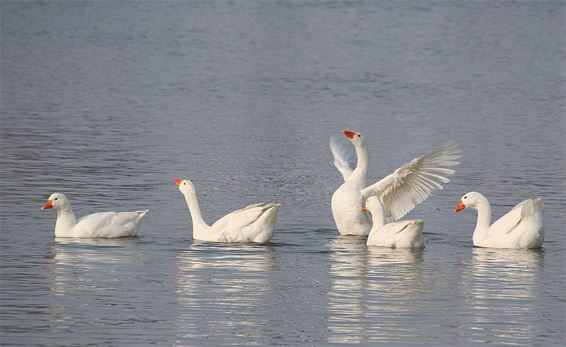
(253,223)
(96,225)
(522,227)
(401,234)
(347,200)
(400,192)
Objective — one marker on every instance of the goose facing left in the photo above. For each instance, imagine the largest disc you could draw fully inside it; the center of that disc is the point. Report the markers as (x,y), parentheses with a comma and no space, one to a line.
(400,234)
(96,225)
(399,192)
(252,224)
(520,228)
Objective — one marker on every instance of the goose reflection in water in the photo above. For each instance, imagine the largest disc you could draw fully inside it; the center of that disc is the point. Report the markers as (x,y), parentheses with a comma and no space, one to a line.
(86,263)
(346,306)
(500,290)
(93,280)
(223,292)
(395,294)
(372,292)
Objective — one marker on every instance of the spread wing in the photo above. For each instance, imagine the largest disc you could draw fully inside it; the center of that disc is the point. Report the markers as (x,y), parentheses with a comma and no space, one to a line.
(341,157)
(413,182)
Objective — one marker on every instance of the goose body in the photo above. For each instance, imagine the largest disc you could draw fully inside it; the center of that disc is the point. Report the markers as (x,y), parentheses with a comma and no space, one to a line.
(522,227)
(347,201)
(253,223)
(401,234)
(346,207)
(400,192)
(96,225)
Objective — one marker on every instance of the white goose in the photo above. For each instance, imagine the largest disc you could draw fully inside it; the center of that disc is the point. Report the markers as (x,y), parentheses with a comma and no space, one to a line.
(402,234)
(103,224)
(521,227)
(399,192)
(253,223)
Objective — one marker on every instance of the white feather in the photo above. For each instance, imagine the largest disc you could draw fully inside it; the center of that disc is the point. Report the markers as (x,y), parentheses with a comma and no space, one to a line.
(253,223)
(341,157)
(413,182)
(522,227)
(96,225)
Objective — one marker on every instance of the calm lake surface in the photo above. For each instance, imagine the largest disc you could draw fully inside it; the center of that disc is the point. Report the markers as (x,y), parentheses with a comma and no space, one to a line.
(107,101)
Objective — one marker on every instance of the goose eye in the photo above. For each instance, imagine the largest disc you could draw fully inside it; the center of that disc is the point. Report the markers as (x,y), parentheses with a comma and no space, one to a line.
(184,183)
(359,135)
(56,199)
(465,197)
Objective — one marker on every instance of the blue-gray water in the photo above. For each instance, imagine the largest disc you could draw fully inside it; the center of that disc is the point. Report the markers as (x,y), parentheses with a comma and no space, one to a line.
(107,101)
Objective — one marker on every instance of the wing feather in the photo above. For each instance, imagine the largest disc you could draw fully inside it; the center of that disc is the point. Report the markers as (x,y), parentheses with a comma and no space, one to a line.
(241,218)
(511,219)
(341,157)
(413,182)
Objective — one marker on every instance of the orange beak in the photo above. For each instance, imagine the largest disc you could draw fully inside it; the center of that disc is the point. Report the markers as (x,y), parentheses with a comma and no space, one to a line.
(177,181)
(48,204)
(459,207)
(349,134)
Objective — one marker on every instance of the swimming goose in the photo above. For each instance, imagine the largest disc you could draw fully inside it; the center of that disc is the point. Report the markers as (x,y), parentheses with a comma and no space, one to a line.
(400,192)
(521,227)
(102,224)
(401,234)
(253,223)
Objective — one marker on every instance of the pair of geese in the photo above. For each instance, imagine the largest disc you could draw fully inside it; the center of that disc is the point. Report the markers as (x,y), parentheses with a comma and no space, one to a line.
(358,209)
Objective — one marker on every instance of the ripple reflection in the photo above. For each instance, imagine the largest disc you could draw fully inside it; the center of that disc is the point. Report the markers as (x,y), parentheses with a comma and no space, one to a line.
(374,292)
(82,263)
(346,304)
(501,291)
(103,284)
(224,291)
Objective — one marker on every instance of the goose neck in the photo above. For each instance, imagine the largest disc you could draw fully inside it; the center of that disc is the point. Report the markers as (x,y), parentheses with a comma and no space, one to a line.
(66,221)
(194,209)
(377,211)
(362,165)
(484,217)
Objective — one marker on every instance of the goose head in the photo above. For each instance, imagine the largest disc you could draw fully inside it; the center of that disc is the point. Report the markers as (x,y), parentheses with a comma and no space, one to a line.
(355,137)
(56,201)
(471,199)
(372,205)
(185,186)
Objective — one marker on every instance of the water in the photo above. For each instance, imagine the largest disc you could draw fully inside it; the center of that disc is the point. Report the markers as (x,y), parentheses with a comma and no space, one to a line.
(107,101)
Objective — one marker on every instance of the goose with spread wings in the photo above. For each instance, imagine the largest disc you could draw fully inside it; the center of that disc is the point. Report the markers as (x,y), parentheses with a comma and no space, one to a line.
(400,192)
